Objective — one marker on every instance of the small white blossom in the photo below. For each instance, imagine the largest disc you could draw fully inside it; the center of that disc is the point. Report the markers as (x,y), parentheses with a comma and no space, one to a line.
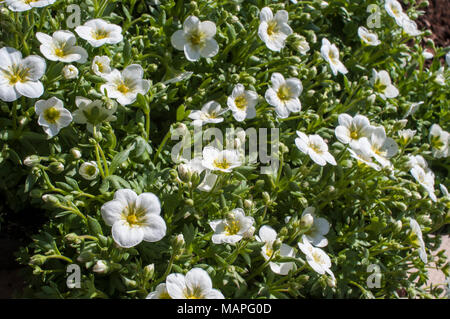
(283,95)
(20,76)
(242,103)
(274,30)
(92,113)
(231,229)
(52,115)
(61,47)
(126,85)
(379,146)
(70,72)
(101,65)
(89,170)
(217,160)
(159,293)
(196,39)
(381,82)
(395,10)
(439,77)
(315,147)
(210,113)
(134,218)
(268,236)
(427,55)
(368,37)
(413,108)
(319,261)
(410,27)
(364,157)
(331,54)
(25,5)
(417,238)
(406,135)
(98,32)
(425,179)
(351,129)
(100,267)
(195,285)
(318,229)
(439,140)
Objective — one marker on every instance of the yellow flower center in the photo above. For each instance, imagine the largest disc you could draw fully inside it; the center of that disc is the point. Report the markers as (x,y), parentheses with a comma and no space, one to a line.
(197,37)
(164,295)
(269,251)
(241,102)
(272,28)
(354,135)
(90,170)
(284,93)
(132,219)
(122,88)
(100,34)
(100,67)
(317,257)
(315,148)
(59,52)
(223,164)
(52,114)
(232,227)
(16,74)
(195,293)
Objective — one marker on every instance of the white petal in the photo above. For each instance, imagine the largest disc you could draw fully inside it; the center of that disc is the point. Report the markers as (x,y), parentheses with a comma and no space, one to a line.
(267,234)
(191,53)
(154,228)
(176,285)
(111,211)
(126,236)
(125,196)
(30,89)
(198,279)
(210,49)
(178,40)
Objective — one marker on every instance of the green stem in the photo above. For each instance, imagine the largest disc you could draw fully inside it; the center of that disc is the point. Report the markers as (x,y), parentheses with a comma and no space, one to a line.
(166,137)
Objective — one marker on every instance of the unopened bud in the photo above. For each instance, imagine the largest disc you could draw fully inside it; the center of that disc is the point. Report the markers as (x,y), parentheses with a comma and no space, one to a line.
(306,221)
(31,160)
(76,153)
(248,203)
(56,167)
(149,271)
(101,267)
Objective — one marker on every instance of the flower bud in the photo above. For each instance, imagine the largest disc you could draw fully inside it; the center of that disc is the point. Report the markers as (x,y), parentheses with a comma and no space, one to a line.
(248,203)
(51,199)
(266,198)
(38,259)
(31,160)
(70,72)
(101,267)
(249,233)
(56,167)
(149,271)
(179,241)
(76,153)
(306,221)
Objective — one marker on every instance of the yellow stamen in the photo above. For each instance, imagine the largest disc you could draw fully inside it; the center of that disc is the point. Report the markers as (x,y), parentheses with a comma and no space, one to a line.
(284,93)
(241,102)
(272,28)
(224,164)
(52,114)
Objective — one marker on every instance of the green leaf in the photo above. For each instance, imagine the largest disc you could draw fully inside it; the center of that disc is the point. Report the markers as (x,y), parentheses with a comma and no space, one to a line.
(120,158)
(94,226)
(180,113)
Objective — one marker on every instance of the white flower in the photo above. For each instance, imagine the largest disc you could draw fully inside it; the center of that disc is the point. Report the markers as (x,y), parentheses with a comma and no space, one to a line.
(381,82)
(439,140)
(439,76)
(25,5)
(61,47)
(301,44)
(231,229)
(101,65)
(319,228)
(395,10)
(368,37)
(195,285)
(195,166)
(242,103)
(331,54)
(273,31)
(379,146)
(124,86)
(210,113)
(98,32)
(268,236)
(410,27)
(134,218)
(413,108)
(417,238)
(351,129)
(406,135)
(283,95)
(319,261)
(418,160)
(70,72)
(89,170)
(100,267)
(217,160)
(20,76)
(52,115)
(444,190)
(159,293)
(196,39)
(92,113)
(427,55)
(365,157)
(425,179)
(315,147)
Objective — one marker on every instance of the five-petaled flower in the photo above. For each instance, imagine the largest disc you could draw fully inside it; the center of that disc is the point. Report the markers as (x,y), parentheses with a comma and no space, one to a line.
(98,32)
(61,47)
(242,103)
(331,54)
(231,229)
(196,39)
(195,285)
(274,30)
(52,115)
(20,76)
(315,147)
(283,95)
(134,218)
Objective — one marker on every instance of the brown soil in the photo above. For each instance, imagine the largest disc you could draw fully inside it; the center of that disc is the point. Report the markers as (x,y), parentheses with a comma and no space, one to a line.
(437,19)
